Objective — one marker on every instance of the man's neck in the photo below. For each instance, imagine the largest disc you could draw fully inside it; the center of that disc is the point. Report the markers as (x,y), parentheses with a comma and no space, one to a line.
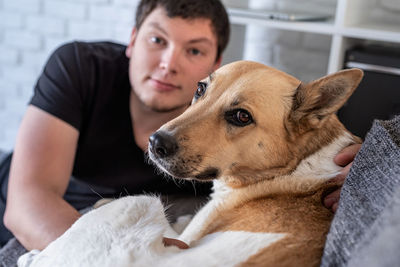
(146,121)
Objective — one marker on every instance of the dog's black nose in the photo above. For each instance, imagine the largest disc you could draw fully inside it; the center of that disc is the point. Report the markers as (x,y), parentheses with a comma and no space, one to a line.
(162,144)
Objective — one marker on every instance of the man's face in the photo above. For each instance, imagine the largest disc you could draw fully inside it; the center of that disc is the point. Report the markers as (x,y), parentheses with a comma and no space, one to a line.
(168,56)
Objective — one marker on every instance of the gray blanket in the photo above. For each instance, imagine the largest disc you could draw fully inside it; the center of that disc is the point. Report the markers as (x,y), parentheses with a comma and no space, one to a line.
(366,228)
(10,253)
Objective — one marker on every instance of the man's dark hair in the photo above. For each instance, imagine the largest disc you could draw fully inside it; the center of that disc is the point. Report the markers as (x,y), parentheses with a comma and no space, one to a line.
(191,9)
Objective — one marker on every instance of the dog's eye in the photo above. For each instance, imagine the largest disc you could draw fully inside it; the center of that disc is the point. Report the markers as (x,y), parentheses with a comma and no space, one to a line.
(243,117)
(201,89)
(239,117)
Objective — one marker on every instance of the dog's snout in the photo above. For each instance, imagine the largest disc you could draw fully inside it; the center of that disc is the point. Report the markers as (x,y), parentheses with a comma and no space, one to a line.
(162,144)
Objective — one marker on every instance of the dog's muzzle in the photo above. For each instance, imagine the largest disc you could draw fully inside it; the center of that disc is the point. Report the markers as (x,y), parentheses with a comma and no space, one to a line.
(162,145)
(164,150)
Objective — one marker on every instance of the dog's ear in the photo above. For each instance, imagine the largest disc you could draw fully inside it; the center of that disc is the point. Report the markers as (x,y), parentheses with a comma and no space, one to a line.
(316,100)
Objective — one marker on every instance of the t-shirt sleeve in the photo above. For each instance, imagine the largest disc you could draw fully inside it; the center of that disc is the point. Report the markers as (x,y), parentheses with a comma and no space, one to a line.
(60,88)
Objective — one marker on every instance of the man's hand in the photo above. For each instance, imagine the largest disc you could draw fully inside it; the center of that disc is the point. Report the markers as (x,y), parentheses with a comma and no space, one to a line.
(345,159)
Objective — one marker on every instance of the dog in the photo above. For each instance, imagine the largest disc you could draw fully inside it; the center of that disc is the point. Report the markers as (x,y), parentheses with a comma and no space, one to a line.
(267,141)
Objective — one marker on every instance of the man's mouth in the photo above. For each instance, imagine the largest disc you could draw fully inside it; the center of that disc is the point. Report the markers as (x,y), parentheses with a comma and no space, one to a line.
(163,86)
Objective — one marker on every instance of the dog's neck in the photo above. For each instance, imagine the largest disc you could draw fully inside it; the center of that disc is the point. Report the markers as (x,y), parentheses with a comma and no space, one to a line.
(310,174)
(313,170)
(320,164)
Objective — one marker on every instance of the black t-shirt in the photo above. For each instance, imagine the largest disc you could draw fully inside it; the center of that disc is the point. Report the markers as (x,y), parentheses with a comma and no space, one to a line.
(87,86)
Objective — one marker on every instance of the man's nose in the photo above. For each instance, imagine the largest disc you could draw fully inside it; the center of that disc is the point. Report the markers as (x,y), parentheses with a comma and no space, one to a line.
(170,60)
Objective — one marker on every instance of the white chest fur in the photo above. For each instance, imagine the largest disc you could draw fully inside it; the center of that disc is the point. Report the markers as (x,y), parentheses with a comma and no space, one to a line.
(193,231)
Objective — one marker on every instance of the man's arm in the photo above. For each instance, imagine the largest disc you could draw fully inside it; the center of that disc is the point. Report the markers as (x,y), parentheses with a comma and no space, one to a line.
(40,170)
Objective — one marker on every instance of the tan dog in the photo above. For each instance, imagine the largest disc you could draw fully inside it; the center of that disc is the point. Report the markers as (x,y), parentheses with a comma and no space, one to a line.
(268,142)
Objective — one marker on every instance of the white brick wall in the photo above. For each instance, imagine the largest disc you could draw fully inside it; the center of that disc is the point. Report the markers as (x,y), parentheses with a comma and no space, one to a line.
(53,26)
(8,55)
(10,20)
(65,9)
(22,39)
(31,29)
(22,6)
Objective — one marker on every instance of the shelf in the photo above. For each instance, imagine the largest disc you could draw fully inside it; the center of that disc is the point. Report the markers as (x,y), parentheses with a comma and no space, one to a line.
(349,23)
(318,27)
(386,33)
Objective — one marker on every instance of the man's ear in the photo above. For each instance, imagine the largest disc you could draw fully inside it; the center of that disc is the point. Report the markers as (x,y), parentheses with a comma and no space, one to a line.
(128,50)
(217,64)
(315,101)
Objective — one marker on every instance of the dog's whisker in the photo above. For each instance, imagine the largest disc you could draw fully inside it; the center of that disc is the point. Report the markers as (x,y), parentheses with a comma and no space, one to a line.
(194,187)
(176,182)
(126,191)
(97,193)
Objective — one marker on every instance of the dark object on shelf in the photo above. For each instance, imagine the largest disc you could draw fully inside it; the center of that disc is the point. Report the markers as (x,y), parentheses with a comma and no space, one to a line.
(378,95)
(278,15)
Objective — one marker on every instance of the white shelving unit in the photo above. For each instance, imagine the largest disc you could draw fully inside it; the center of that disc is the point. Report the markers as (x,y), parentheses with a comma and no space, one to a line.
(354,22)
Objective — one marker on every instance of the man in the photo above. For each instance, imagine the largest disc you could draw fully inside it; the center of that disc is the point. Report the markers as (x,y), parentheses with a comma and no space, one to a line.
(91,118)
(85,120)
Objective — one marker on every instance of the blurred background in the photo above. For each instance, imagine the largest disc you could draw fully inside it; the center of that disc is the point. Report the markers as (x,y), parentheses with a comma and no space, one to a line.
(311,43)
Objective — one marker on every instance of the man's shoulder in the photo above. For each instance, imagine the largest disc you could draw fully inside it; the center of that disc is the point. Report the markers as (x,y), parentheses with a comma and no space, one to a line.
(102,50)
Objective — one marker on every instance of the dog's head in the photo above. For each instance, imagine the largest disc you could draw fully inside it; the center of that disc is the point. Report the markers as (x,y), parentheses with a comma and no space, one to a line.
(249,122)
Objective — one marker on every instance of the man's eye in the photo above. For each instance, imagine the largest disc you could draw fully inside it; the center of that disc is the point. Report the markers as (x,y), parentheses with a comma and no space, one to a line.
(201,89)
(194,51)
(239,117)
(156,40)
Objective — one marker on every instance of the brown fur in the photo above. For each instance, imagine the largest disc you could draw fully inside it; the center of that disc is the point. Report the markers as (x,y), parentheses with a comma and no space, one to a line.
(299,215)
